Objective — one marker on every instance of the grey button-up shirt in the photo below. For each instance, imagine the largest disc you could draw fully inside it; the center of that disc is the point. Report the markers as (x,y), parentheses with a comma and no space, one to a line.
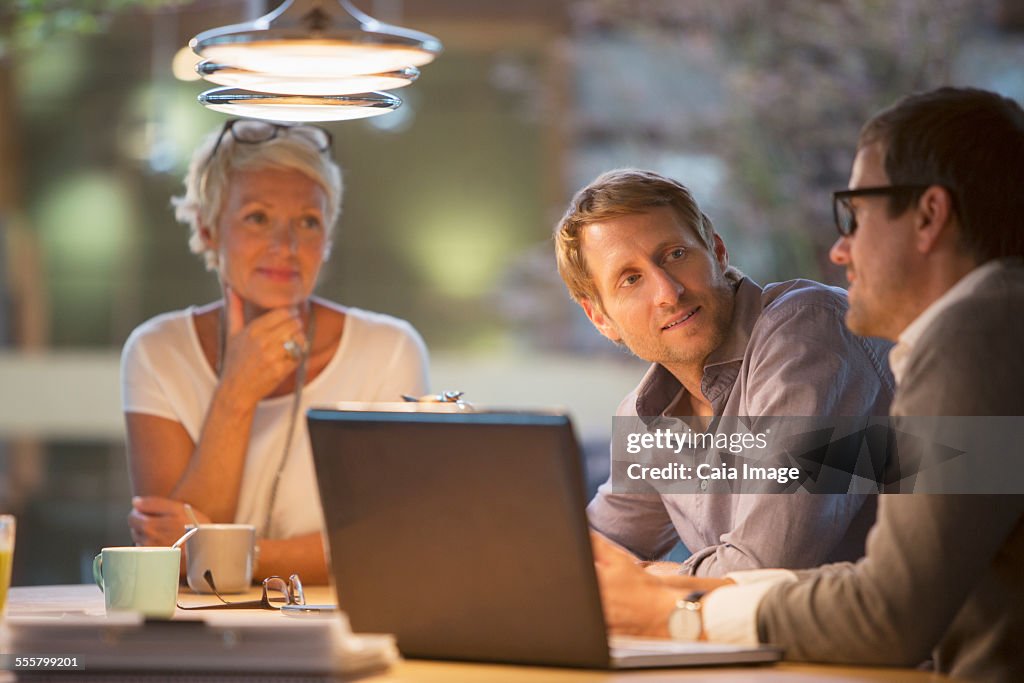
(787,353)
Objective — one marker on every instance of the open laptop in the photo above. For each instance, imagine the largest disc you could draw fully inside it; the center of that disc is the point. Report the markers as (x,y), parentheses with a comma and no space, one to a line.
(465,535)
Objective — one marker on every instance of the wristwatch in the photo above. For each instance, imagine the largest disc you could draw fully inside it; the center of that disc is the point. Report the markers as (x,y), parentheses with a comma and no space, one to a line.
(685,622)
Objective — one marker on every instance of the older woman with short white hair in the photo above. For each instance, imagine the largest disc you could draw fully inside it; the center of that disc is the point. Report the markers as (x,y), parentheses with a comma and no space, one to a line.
(214,395)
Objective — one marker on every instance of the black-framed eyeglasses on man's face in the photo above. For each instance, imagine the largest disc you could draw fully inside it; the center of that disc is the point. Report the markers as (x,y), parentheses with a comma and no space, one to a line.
(842,211)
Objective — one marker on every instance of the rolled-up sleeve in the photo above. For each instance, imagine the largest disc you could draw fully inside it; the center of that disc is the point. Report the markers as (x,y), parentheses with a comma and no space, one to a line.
(638,522)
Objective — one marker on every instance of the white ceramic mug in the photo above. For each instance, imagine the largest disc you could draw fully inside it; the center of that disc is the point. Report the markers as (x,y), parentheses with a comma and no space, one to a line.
(224,550)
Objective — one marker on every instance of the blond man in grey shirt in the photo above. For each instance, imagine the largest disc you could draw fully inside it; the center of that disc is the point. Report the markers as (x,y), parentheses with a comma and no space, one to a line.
(650,272)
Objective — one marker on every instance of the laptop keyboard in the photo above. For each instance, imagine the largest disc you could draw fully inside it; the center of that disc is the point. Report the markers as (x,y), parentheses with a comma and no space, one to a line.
(626,646)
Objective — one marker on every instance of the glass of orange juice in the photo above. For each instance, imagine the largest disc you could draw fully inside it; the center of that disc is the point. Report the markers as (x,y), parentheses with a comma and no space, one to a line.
(7,526)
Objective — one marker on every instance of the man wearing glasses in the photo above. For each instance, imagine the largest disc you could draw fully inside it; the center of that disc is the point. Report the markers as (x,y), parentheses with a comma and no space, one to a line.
(932,239)
(646,265)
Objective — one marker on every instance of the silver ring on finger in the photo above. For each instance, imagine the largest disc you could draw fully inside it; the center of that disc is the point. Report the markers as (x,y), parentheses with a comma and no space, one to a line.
(292,348)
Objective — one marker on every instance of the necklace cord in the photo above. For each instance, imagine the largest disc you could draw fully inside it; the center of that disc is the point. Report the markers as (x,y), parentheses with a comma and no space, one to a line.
(300,382)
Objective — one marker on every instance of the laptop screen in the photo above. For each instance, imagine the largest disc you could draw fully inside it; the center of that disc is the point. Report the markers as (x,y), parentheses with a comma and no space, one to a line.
(462,533)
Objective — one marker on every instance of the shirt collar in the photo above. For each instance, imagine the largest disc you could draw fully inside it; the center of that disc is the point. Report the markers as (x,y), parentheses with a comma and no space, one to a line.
(909,337)
(746,309)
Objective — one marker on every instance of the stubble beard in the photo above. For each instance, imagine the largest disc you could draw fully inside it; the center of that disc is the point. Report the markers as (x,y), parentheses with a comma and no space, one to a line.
(867,320)
(694,350)
(716,328)
(856,321)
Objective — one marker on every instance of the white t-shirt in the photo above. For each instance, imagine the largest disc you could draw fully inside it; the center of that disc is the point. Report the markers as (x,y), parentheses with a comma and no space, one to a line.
(164,373)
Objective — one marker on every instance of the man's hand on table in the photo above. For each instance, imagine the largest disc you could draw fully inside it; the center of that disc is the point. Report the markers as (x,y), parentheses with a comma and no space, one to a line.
(637,602)
(660,568)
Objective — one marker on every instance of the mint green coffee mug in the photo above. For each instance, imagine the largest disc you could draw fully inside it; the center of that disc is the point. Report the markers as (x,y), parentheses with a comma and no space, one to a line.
(143,580)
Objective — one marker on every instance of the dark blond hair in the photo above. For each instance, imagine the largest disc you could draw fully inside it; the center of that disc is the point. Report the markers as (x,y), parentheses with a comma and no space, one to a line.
(622,192)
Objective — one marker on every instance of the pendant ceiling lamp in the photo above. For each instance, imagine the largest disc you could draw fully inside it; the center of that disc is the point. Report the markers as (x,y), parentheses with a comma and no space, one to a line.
(305,85)
(259,105)
(308,60)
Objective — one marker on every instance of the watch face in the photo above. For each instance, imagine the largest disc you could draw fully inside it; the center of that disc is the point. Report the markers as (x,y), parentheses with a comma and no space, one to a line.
(684,624)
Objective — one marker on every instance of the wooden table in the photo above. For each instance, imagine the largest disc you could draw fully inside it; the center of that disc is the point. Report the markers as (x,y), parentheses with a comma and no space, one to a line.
(53,600)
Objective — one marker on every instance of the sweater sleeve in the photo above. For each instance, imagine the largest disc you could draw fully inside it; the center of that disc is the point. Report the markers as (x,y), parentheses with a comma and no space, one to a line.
(927,554)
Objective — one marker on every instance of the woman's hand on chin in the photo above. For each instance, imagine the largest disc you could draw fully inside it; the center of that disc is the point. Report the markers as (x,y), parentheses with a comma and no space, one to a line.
(256,359)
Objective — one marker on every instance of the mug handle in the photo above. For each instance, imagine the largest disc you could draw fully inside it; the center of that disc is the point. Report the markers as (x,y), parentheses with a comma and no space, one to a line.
(97,570)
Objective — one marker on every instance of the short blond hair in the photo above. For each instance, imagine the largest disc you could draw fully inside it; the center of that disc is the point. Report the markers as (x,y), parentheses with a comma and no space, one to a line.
(622,192)
(203,200)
